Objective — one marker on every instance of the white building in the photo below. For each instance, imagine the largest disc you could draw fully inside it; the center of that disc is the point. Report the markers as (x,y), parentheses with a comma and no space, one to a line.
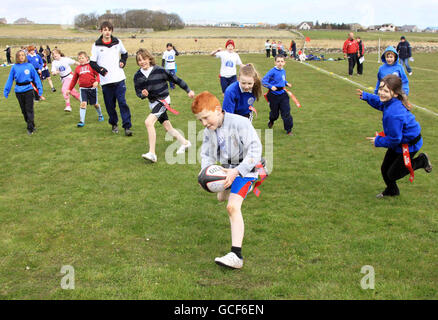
(305,26)
(387,27)
(409,28)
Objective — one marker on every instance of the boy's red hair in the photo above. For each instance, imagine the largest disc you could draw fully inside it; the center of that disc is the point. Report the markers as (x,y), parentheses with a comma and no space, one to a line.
(205,101)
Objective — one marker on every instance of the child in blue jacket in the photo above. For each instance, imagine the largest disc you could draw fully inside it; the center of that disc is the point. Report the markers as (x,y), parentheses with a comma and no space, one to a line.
(400,129)
(23,73)
(278,99)
(391,65)
(35,59)
(240,96)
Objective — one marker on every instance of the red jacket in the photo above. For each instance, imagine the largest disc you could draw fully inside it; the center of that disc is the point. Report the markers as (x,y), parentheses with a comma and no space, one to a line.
(86,75)
(350,46)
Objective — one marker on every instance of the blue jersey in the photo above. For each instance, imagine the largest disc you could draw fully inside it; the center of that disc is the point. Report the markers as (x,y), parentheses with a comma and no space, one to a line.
(23,74)
(36,61)
(275,78)
(399,124)
(236,101)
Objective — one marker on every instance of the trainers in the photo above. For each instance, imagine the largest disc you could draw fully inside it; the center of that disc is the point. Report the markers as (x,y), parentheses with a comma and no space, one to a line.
(115,129)
(53,89)
(383,194)
(80,124)
(410,73)
(67,109)
(100,118)
(270,124)
(128,132)
(290,133)
(428,167)
(29,132)
(149,156)
(183,148)
(230,260)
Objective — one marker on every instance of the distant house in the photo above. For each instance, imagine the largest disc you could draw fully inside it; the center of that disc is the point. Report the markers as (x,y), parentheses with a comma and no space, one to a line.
(3,21)
(355,26)
(409,28)
(23,21)
(373,28)
(387,27)
(305,25)
(431,29)
(227,24)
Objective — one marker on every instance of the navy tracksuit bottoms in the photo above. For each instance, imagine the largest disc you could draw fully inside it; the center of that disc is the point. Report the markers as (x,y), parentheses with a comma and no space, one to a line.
(113,92)
(279,104)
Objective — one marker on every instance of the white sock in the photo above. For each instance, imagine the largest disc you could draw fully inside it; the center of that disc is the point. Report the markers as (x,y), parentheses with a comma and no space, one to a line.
(82,113)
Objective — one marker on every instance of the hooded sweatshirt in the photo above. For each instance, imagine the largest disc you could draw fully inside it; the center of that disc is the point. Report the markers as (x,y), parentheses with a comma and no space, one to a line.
(399,124)
(396,68)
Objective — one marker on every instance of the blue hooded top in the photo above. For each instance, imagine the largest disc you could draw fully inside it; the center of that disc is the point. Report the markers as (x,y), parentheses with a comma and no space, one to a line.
(396,69)
(275,78)
(399,124)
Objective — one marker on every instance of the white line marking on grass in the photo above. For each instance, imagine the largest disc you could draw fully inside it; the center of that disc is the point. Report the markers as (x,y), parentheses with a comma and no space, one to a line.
(358,84)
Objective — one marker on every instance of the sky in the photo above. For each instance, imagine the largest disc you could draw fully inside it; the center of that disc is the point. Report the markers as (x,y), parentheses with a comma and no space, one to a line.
(422,13)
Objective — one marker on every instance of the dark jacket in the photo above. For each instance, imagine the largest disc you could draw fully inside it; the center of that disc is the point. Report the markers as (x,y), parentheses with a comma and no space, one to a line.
(404,50)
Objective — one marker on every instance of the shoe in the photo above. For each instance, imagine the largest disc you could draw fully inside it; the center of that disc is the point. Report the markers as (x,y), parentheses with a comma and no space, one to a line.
(382,195)
(290,133)
(428,167)
(67,109)
(410,73)
(29,132)
(149,156)
(53,89)
(230,260)
(128,132)
(183,148)
(80,124)
(115,129)
(100,118)
(270,124)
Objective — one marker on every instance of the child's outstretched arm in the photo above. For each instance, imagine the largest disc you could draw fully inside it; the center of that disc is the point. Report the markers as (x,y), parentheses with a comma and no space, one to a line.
(372,99)
(215,51)
(181,83)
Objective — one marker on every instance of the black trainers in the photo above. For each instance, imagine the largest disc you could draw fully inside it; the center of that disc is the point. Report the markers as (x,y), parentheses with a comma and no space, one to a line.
(384,194)
(29,132)
(428,167)
(115,129)
(128,132)
(53,89)
(270,124)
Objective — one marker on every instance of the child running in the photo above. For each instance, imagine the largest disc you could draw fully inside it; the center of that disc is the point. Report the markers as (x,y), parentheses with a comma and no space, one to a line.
(61,66)
(88,83)
(278,99)
(45,73)
(233,141)
(241,95)
(23,73)
(168,61)
(35,59)
(401,135)
(391,65)
(229,61)
(150,82)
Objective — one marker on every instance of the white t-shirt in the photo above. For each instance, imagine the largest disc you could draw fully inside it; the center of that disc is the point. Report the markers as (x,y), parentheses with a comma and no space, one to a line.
(267,45)
(169,57)
(63,66)
(229,61)
(109,58)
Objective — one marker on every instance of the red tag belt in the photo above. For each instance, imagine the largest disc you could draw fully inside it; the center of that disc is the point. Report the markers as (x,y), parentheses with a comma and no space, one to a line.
(168,107)
(262,172)
(406,157)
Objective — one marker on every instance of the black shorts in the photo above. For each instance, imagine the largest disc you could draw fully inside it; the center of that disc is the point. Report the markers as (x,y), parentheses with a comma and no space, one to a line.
(45,74)
(160,112)
(88,95)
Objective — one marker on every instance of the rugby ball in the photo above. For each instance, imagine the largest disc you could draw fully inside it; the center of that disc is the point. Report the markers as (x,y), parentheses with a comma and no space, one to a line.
(212,178)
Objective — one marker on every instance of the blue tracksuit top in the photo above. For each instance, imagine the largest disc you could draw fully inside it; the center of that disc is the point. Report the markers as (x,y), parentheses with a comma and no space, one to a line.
(275,78)
(22,72)
(395,68)
(36,61)
(236,101)
(399,124)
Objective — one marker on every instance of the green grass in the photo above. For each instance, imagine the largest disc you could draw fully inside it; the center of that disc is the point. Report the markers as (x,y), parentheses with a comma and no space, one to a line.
(84,197)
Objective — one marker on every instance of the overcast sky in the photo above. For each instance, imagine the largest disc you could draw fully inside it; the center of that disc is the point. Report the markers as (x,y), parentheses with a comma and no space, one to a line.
(422,13)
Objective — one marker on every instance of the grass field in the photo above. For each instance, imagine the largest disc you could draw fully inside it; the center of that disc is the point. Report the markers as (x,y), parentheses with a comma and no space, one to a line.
(131,230)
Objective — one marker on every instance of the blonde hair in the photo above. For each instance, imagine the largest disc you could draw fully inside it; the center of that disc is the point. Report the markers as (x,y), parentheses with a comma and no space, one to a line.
(59,51)
(25,56)
(249,70)
(145,55)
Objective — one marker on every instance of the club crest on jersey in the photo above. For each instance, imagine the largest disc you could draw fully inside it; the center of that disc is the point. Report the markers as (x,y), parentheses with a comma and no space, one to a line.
(251,101)
(61,68)
(26,71)
(284,78)
(229,64)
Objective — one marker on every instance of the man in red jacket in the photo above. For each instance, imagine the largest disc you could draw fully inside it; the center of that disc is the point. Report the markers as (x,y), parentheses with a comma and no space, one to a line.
(350,50)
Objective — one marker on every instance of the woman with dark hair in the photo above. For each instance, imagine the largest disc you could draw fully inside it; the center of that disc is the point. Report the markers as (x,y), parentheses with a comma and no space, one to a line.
(401,134)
